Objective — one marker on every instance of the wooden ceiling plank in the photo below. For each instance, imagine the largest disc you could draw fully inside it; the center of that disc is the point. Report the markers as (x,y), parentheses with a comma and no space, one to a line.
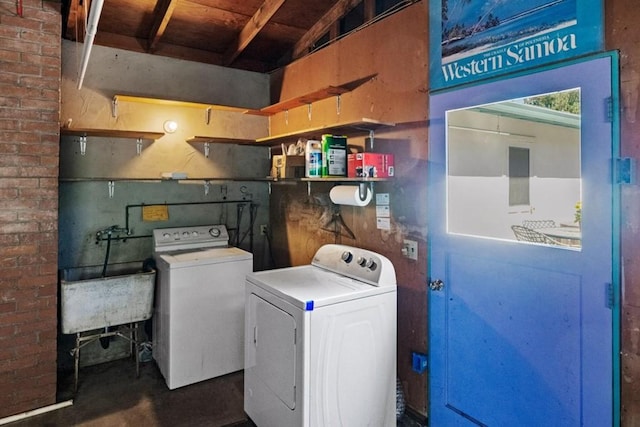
(164,10)
(252,28)
(341,8)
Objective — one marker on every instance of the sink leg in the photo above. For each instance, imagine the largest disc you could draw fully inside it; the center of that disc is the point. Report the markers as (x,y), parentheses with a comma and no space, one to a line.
(134,343)
(76,356)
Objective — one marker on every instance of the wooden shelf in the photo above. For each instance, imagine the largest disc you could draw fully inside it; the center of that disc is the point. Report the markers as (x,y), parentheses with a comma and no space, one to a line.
(361,127)
(309,98)
(111,133)
(333,179)
(220,140)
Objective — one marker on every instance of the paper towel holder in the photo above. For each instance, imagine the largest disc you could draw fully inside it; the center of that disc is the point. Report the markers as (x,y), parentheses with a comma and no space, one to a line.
(362,191)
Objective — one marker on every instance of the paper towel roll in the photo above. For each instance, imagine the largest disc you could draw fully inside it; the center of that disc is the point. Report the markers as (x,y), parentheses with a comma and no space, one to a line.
(349,195)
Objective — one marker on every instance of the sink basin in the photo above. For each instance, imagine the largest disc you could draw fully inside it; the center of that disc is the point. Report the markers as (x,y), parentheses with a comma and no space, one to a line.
(100,302)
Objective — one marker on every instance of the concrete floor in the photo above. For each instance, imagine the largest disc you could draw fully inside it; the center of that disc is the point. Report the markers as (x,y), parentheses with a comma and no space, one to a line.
(109,395)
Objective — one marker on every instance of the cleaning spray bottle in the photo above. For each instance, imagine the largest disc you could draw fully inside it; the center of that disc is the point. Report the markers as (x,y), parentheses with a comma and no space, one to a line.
(313,159)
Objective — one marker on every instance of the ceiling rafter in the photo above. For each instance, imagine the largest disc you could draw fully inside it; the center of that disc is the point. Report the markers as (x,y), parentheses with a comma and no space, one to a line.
(338,10)
(162,15)
(252,28)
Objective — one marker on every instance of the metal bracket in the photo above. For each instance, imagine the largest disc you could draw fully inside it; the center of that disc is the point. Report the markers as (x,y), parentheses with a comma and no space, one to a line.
(83,145)
(206,150)
(111,186)
(625,170)
(286,117)
(139,146)
(338,104)
(309,108)
(207,185)
(114,107)
(207,116)
(609,296)
(308,188)
(372,137)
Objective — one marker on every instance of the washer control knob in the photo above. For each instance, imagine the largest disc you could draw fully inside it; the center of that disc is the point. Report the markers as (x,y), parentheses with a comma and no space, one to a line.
(361,261)
(371,264)
(347,257)
(215,232)
(166,235)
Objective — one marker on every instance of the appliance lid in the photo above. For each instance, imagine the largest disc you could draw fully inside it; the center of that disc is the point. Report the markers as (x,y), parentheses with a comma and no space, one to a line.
(308,287)
(193,237)
(203,256)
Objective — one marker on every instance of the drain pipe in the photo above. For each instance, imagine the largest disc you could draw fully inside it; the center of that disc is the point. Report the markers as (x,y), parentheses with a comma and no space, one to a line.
(92,28)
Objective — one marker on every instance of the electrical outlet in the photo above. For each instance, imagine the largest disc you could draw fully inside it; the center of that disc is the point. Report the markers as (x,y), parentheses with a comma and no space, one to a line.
(263,229)
(410,249)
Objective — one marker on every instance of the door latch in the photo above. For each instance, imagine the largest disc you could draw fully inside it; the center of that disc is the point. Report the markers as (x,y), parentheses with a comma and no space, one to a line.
(436,285)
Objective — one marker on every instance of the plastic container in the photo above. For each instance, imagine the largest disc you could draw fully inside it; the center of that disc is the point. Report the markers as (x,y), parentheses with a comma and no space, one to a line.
(313,159)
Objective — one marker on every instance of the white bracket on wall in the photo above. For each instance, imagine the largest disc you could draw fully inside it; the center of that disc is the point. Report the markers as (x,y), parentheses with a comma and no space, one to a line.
(309,108)
(206,149)
(286,117)
(114,107)
(111,186)
(139,146)
(83,145)
(207,185)
(371,138)
(308,188)
(338,104)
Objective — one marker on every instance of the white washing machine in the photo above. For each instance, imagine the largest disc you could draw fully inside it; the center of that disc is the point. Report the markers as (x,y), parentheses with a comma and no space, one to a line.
(198,329)
(320,342)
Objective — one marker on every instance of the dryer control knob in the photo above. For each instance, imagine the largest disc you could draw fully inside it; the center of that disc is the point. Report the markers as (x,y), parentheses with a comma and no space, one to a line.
(361,261)
(215,232)
(347,257)
(371,264)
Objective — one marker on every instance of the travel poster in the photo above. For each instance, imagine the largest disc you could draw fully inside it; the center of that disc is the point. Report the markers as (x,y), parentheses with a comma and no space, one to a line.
(476,39)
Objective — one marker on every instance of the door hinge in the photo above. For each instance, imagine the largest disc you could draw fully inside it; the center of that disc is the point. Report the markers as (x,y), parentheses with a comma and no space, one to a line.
(624,169)
(609,296)
(608,108)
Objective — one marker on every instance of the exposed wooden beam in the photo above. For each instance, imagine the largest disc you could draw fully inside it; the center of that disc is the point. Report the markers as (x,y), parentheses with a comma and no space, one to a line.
(76,19)
(341,8)
(253,27)
(163,12)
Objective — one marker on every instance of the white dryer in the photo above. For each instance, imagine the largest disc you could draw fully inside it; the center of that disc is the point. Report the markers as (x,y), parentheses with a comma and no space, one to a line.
(198,329)
(320,342)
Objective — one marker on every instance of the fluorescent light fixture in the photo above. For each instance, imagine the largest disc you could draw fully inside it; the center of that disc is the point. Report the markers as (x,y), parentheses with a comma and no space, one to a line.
(494,132)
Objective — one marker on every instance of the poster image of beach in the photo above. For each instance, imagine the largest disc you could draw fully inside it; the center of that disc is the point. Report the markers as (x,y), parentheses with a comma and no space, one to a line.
(475,39)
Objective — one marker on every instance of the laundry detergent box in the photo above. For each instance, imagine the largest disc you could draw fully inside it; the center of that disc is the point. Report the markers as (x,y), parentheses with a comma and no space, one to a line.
(370,165)
(334,155)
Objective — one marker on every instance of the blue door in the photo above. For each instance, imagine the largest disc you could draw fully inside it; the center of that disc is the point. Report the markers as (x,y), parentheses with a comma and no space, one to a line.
(522,329)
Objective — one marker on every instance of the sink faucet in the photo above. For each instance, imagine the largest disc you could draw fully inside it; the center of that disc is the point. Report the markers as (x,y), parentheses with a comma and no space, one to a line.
(114,229)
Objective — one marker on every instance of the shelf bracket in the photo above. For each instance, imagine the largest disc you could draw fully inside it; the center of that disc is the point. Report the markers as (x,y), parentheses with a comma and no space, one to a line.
(269,188)
(206,150)
(372,135)
(114,107)
(207,185)
(309,111)
(111,186)
(286,117)
(338,104)
(308,188)
(83,145)
(139,146)
(207,116)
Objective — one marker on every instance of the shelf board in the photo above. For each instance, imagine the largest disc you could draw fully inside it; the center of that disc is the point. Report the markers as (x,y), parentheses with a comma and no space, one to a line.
(175,103)
(358,127)
(306,99)
(111,133)
(329,179)
(220,140)
(159,180)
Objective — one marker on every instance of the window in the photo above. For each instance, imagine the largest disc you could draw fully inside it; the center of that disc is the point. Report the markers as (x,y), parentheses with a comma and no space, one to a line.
(518,176)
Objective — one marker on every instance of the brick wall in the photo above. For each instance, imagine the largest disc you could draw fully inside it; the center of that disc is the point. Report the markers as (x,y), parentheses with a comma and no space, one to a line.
(29,139)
